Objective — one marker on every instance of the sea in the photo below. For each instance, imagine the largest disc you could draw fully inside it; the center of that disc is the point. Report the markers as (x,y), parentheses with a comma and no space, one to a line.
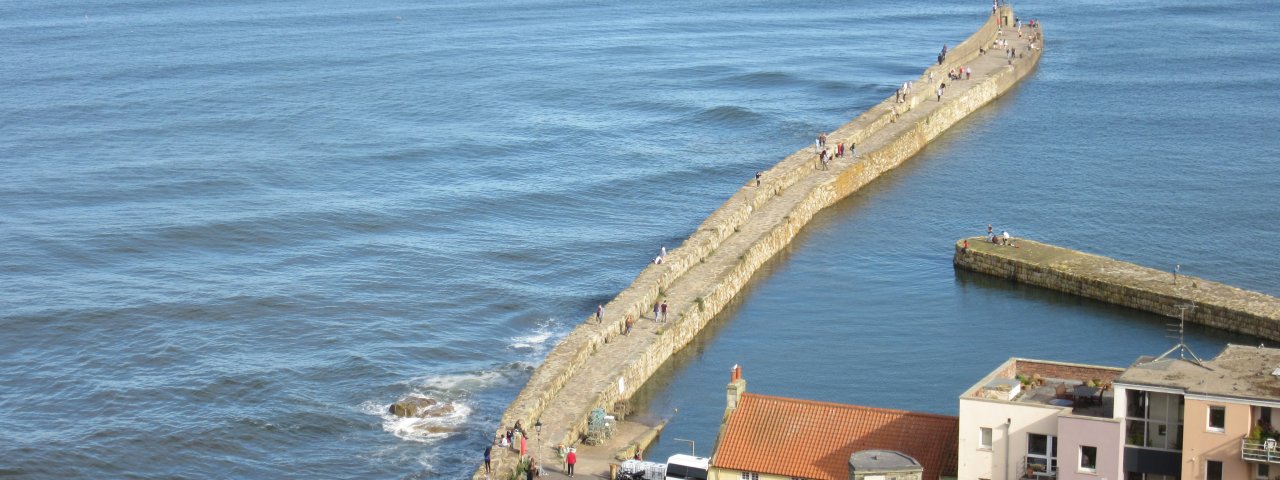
(235,232)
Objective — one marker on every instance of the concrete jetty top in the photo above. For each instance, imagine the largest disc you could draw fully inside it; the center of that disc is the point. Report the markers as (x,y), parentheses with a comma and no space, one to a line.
(595,366)
(1123,283)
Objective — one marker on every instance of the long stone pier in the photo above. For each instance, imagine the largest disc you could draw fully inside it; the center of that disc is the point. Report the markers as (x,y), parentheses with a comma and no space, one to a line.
(596,366)
(1123,283)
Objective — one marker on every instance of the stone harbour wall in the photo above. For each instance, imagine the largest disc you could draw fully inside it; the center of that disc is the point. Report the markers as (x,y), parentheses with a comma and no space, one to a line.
(1122,283)
(577,350)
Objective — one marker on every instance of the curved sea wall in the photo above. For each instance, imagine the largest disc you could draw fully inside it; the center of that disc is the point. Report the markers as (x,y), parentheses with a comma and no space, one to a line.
(596,366)
(1122,283)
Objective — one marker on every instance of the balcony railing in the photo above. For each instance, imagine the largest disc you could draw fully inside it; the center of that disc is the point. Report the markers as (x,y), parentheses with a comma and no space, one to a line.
(1260,450)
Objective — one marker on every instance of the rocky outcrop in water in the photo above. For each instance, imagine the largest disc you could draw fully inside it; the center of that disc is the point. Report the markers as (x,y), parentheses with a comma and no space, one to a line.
(421,407)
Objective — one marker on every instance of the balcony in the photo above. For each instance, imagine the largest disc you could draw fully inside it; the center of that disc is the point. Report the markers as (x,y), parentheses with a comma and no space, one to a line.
(1260,451)
(1035,470)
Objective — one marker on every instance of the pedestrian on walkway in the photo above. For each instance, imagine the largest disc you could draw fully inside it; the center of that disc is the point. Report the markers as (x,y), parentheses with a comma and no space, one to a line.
(664,310)
(1176,269)
(570,460)
(853,150)
(627,325)
(758,175)
(532,470)
(488,451)
(988,229)
(657,310)
(524,445)
(599,313)
(939,92)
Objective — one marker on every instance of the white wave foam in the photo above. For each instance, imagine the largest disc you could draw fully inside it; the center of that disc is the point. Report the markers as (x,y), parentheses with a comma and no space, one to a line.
(424,429)
(458,383)
(537,341)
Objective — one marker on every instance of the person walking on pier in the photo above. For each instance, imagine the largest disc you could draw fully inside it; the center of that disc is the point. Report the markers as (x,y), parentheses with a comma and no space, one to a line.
(664,310)
(657,311)
(1176,269)
(570,460)
(627,324)
(939,92)
(758,175)
(853,150)
(599,313)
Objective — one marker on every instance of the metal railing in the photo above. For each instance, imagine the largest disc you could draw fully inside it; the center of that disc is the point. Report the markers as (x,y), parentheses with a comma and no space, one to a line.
(1260,450)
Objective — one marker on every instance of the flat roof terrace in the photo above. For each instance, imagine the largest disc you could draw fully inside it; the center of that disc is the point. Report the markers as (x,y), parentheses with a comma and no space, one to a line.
(1082,389)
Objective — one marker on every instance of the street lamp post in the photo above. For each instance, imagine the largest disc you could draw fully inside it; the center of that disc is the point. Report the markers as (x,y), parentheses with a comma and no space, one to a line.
(537,427)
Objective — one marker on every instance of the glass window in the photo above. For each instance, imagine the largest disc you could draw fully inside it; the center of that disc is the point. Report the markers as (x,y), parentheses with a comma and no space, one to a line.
(1212,470)
(1137,403)
(1217,418)
(1042,452)
(984,438)
(1088,459)
(750,476)
(1264,471)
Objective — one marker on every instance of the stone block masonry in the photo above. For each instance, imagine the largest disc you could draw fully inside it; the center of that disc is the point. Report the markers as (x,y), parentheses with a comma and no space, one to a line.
(1134,286)
(595,366)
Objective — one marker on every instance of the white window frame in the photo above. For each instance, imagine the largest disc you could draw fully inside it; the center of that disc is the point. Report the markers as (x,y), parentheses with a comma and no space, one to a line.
(1209,419)
(750,476)
(1050,458)
(1081,466)
(985,434)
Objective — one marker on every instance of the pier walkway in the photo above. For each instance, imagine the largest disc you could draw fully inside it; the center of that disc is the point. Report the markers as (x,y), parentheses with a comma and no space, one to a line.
(595,366)
(1100,278)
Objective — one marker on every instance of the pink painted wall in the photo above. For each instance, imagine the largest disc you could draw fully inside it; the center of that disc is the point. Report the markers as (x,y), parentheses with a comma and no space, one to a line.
(1104,433)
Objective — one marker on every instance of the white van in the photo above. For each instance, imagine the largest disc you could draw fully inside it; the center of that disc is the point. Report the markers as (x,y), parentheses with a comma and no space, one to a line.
(687,467)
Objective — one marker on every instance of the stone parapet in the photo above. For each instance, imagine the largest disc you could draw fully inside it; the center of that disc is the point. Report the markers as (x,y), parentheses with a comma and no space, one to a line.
(1122,283)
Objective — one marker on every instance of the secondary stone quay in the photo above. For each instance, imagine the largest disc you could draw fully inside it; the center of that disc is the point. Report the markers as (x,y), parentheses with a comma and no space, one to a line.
(1123,283)
(597,366)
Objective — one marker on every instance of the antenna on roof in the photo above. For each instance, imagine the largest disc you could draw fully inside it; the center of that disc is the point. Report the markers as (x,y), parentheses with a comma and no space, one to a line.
(1182,348)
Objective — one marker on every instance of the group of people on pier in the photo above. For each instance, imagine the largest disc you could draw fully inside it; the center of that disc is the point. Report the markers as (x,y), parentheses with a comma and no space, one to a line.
(824,154)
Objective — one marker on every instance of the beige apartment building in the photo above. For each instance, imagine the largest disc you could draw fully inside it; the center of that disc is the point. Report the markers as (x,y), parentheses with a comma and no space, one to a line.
(1192,420)
(1036,419)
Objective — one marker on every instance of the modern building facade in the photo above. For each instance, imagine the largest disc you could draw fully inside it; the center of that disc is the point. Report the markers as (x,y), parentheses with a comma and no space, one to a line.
(1042,420)
(1192,420)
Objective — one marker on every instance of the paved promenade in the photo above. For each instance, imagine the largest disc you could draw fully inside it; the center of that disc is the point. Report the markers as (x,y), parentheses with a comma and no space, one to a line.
(596,366)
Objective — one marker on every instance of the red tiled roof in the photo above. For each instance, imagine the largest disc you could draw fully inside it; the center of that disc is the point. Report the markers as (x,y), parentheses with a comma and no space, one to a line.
(807,439)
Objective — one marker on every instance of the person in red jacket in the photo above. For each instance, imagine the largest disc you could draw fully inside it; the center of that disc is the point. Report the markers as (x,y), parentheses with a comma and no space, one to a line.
(569,460)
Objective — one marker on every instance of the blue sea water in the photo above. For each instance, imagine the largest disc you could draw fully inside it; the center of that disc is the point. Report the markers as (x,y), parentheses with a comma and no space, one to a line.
(235,232)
